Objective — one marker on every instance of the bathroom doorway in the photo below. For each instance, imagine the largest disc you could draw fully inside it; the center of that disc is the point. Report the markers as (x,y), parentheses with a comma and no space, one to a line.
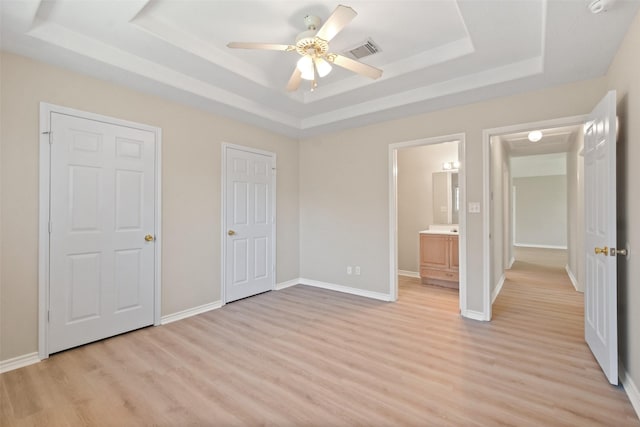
(427,218)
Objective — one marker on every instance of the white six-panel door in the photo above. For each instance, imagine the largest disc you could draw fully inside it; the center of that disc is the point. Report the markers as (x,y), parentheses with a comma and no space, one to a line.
(102,206)
(249,221)
(600,299)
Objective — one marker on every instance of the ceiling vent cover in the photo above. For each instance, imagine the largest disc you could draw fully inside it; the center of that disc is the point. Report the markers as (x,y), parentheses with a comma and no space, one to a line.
(368,48)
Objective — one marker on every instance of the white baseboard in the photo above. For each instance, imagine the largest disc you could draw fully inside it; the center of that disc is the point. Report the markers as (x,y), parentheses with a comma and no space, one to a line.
(19,362)
(346,289)
(287,284)
(534,245)
(474,315)
(407,273)
(498,288)
(630,388)
(190,312)
(573,279)
(513,259)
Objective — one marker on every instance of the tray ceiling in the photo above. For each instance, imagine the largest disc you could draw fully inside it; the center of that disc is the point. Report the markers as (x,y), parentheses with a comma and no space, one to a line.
(435,54)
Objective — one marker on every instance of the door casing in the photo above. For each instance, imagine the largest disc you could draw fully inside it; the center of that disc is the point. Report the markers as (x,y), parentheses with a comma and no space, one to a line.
(46,110)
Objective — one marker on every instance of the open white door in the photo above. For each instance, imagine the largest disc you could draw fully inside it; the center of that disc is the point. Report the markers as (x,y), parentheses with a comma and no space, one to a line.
(600,311)
(249,222)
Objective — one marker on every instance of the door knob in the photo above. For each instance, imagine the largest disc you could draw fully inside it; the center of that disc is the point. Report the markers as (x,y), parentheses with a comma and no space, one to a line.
(149,238)
(603,251)
(231,232)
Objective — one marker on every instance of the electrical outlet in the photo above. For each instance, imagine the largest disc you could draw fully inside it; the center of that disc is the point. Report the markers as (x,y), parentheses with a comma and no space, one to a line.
(348,269)
(357,270)
(474,207)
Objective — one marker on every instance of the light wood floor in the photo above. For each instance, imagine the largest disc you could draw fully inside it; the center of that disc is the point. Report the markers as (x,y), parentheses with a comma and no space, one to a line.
(312,357)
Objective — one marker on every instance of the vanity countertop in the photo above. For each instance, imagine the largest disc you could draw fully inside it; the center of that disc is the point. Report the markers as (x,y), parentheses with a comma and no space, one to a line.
(449,233)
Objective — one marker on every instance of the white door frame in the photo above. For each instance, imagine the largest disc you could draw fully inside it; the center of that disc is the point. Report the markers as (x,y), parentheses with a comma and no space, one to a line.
(46,110)
(393,212)
(223,215)
(487,134)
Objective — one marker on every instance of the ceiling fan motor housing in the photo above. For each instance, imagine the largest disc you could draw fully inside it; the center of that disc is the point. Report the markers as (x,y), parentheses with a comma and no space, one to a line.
(312,22)
(307,43)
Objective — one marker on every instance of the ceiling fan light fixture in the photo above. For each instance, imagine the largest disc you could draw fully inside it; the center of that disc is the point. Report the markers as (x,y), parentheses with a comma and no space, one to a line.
(305,65)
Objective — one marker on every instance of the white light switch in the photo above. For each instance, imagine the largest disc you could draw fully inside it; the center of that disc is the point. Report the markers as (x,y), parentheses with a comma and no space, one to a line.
(474,207)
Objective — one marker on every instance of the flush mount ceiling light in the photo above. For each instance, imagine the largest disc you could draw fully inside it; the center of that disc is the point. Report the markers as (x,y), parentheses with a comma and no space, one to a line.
(313,46)
(535,136)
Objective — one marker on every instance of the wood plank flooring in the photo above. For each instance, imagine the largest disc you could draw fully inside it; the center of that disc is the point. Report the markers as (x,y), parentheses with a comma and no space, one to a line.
(311,357)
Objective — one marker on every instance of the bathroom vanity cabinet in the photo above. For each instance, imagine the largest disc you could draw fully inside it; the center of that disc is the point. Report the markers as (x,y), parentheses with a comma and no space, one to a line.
(439,259)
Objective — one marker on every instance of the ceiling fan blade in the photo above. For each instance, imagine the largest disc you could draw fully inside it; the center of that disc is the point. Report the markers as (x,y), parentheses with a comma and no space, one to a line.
(355,66)
(294,81)
(263,46)
(336,22)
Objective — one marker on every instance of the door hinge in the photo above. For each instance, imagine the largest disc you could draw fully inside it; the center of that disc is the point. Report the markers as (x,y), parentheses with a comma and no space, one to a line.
(48,316)
(50,227)
(50,138)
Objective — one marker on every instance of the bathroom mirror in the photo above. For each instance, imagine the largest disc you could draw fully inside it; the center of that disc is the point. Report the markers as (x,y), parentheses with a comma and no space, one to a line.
(446,197)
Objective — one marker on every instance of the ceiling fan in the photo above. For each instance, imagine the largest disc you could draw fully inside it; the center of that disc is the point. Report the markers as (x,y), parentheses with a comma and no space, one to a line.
(313,47)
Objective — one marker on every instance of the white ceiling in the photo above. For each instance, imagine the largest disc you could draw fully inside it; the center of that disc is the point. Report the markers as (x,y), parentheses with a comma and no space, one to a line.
(435,54)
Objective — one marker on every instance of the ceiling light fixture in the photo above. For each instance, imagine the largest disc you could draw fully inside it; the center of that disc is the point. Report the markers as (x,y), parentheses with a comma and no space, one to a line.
(535,136)
(448,166)
(306,65)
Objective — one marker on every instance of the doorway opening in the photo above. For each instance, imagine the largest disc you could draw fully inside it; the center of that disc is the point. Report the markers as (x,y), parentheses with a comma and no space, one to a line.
(427,221)
(534,198)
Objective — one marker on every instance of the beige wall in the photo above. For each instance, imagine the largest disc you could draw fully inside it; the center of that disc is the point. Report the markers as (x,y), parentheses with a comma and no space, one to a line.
(191,153)
(344,189)
(415,196)
(541,211)
(623,76)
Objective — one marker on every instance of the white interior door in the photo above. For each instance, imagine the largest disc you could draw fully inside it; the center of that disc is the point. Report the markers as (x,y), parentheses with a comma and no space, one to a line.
(600,239)
(102,208)
(249,218)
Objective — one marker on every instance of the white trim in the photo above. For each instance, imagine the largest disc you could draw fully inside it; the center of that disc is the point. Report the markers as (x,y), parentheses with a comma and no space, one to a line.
(19,362)
(346,289)
(511,261)
(407,273)
(169,318)
(573,279)
(283,285)
(393,211)
(474,315)
(497,289)
(486,190)
(535,245)
(46,110)
(630,388)
(223,216)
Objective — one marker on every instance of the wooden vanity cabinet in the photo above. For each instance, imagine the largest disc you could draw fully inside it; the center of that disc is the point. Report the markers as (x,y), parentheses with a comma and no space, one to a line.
(439,259)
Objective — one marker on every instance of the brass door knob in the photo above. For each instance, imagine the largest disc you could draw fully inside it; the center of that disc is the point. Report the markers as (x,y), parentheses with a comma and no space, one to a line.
(603,251)
(231,232)
(149,238)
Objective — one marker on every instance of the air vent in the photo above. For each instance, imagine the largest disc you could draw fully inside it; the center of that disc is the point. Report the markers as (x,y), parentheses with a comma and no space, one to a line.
(368,48)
